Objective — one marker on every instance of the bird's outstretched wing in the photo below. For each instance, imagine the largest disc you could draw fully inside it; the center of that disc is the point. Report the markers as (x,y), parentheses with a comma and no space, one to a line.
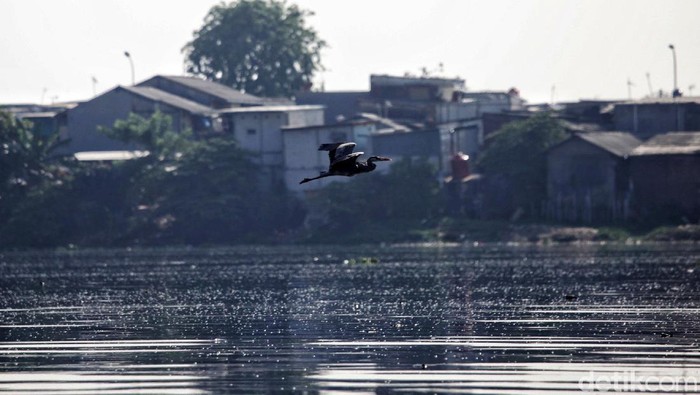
(345,165)
(338,151)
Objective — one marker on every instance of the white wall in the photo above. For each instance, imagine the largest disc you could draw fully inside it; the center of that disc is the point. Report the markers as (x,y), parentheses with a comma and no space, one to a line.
(261,132)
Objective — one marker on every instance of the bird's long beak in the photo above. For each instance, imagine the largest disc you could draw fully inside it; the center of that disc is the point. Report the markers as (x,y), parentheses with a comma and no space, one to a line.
(383,158)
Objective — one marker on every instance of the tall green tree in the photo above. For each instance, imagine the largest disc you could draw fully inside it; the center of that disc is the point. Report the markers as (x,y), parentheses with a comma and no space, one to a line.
(516,153)
(262,47)
(24,159)
(191,191)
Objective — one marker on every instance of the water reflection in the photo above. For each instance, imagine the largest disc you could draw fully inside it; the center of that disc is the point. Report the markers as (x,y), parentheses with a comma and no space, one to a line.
(360,320)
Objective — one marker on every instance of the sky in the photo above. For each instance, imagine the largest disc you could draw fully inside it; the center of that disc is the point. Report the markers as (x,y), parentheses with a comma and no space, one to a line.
(561,50)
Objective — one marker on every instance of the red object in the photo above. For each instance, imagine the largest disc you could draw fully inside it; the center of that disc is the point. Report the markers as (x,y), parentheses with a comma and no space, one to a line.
(460,166)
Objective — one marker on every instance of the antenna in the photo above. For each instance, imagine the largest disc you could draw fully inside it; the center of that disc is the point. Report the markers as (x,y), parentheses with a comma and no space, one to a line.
(94,86)
(629,88)
(551,99)
(651,91)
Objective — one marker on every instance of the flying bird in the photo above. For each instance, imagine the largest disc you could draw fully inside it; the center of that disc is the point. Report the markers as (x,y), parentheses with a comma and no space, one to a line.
(343,162)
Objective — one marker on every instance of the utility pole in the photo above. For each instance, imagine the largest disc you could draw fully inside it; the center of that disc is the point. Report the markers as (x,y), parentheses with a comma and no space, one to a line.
(629,88)
(651,91)
(131,62)
(94,86)
(676,91)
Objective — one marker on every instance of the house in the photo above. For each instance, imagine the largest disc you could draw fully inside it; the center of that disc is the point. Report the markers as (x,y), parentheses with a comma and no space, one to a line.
(649,117)
(417,99)
(665,174)
(208,93)
(85,120)
(587,177)
(46,120)
(339,105)
(259,130)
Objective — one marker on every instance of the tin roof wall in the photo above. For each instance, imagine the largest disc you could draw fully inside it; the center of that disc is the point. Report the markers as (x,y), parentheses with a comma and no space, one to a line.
(216,89)
(168,98)
(677,143)
(617,143)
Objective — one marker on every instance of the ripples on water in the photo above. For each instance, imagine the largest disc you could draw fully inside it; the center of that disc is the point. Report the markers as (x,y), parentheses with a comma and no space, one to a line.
(487,320)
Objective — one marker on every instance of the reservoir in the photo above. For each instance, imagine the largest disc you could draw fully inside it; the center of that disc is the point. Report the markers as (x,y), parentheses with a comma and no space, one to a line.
(478,319)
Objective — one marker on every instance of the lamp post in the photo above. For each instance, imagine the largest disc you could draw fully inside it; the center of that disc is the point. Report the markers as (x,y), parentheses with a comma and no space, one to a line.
(676,92)
(131,62)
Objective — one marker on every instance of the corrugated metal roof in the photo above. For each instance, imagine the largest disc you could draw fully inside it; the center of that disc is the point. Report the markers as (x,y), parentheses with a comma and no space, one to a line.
(384,122)
(677,143)
(169,99)
(255,109)
(662,100)
(617,143)
(221,91)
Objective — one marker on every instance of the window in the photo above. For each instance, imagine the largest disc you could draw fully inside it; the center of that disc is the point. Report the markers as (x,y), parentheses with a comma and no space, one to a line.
(251,132)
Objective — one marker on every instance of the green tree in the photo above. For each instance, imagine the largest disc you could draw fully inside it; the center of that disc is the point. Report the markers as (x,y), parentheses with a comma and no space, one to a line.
(516,153)
(24,160)
(262,47)
(191,191)
(403,198)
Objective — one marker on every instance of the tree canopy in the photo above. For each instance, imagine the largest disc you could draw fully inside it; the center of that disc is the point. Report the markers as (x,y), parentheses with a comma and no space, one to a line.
(517,153)
(262,47)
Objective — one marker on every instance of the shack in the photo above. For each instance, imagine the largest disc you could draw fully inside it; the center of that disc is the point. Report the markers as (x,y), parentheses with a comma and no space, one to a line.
(665,174)
(588,177)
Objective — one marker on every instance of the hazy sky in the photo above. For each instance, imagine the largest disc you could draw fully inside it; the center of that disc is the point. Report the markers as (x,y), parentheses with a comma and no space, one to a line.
(52,49)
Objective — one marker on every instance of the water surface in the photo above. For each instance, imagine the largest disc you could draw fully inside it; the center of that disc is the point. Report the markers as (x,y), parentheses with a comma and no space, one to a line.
(467,319)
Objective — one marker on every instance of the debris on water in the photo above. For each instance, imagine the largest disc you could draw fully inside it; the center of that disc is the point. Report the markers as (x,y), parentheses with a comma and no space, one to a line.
(365,260)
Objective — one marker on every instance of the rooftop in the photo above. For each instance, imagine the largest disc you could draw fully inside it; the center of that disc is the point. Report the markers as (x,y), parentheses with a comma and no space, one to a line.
(167,98)
(617,143)
(255,109)
(393,80)
(677,143)
(216,89)
(662,100)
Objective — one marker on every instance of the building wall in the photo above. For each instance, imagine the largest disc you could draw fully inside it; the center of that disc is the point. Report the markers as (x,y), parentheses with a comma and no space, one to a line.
(305,118)
(454,111)
(423,144)
(583,183)
(648,120)
(261,132)
(666,186)
(302,158)
(337,104)
(84,120)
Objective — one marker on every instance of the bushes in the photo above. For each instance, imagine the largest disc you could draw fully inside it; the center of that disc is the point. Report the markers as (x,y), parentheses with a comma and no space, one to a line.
(379,204)
(186,191)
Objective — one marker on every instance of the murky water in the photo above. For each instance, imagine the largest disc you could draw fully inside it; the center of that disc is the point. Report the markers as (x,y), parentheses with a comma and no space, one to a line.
(486,320)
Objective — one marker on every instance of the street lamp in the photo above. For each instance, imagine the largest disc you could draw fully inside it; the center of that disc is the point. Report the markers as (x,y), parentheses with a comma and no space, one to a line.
(131,62)
(676,92)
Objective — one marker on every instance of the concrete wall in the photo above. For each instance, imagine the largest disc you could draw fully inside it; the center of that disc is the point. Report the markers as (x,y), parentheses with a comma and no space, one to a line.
(261,132)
